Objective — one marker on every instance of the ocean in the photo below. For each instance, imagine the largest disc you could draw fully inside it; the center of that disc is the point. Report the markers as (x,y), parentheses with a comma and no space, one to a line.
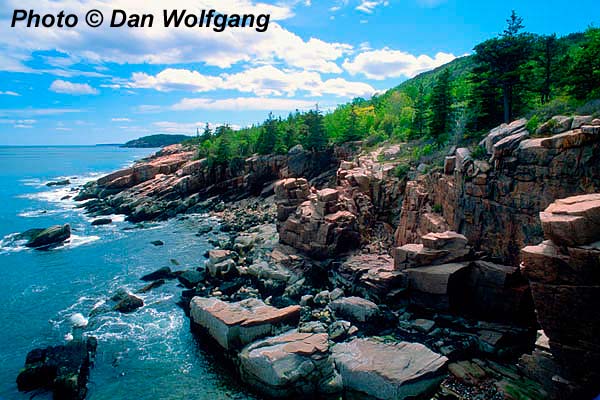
(148,354)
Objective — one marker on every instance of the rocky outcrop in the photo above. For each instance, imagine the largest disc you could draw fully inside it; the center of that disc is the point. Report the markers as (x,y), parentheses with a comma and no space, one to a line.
(62,369)
(564,274)
(293,364)
(173,181)
(371,276)
(234,325)
(321,226)
(388,370)
(50,237)
(495,203)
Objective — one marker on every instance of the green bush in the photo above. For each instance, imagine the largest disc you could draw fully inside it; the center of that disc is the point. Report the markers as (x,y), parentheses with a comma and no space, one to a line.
(479,153)
(401,171)
(437,208)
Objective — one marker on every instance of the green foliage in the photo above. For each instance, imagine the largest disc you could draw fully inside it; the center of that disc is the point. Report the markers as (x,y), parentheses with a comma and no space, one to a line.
(316,138)
(533,123)
(437,208)
(401,170)
(584,74)
(440,106)
(479,153)
(512,75)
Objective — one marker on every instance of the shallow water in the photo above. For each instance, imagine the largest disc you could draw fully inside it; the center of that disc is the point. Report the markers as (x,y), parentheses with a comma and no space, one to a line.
(148,354)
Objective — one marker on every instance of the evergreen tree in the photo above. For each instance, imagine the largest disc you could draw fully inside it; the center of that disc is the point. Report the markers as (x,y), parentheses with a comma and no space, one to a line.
(222,153)
(316,138)
(206,134)
(500,61)
(584,74)
(440,105)
(420,117)
(268,136)
(547,62)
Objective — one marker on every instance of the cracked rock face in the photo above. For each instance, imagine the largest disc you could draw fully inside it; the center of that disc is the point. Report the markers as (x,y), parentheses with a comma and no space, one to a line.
(388,370)
(291,364)
(565,282)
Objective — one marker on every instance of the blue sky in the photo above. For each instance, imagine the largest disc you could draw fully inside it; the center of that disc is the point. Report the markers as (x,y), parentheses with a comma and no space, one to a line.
(109,85)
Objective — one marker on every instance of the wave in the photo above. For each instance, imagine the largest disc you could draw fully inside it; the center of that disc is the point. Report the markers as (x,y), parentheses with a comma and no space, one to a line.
(12,244)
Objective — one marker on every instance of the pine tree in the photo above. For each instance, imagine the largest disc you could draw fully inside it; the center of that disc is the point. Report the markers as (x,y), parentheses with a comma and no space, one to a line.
(206,134)
(440,105)
(316,138)
(267,140)
(420,117)
(499,65)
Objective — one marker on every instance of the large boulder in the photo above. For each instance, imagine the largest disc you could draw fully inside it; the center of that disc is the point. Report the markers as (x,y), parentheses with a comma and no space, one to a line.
(50,237)
(292,364)
(438,286)
(573,221)
(62,369)
(355,309)
(388,370)
(234,325)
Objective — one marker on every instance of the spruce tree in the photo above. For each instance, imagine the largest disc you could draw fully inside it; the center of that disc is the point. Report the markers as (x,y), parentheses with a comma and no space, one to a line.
(440,105)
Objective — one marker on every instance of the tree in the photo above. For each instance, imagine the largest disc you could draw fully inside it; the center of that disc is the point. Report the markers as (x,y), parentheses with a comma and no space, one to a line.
(222,153)
(267,139)
(584,74)
(440,105)
(547,62)
(316,138)
(420,116)
(206,134)
(500,61)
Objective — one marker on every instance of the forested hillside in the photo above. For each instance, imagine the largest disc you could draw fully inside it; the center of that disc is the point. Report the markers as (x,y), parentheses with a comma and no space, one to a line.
(516,74)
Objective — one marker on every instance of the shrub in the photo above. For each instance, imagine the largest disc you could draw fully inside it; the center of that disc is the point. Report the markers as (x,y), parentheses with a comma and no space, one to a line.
(437,208)
(479,153)
(401,171)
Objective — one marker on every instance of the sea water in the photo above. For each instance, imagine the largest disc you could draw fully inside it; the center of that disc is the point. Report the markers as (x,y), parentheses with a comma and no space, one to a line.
(148,354)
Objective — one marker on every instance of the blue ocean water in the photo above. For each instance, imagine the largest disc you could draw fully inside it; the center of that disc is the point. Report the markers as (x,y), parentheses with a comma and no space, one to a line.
(149,354)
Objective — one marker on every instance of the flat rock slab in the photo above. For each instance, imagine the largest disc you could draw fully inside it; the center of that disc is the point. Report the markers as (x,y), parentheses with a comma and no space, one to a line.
(234,325)
(291,364)
(388,370)
(573,221)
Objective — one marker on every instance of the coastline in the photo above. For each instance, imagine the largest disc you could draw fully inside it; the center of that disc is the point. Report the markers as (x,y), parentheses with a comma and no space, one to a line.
(306,268)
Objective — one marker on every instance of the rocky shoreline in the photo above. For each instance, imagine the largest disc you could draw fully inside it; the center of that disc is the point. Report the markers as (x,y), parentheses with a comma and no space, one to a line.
(333,277)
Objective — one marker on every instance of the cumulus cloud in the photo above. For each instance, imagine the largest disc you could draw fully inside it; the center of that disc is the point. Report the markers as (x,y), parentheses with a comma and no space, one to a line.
(187,127)
(9,93)
(266,80)
(387,63)
(176,79)
(242,103)
(65,87)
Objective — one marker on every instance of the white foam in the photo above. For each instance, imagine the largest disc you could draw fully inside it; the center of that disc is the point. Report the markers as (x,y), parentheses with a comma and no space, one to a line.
(78,320)
(76,240)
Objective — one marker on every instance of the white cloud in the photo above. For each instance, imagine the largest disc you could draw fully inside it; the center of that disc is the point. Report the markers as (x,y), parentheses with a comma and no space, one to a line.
(120,119)
(368,6)
(262,81)
(175,79)
(60,86)
(9,93)
(242,103)
(160,45)
(387,63)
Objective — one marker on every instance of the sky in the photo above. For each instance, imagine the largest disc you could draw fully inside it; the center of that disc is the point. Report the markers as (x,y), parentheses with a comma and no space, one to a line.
(83,85)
